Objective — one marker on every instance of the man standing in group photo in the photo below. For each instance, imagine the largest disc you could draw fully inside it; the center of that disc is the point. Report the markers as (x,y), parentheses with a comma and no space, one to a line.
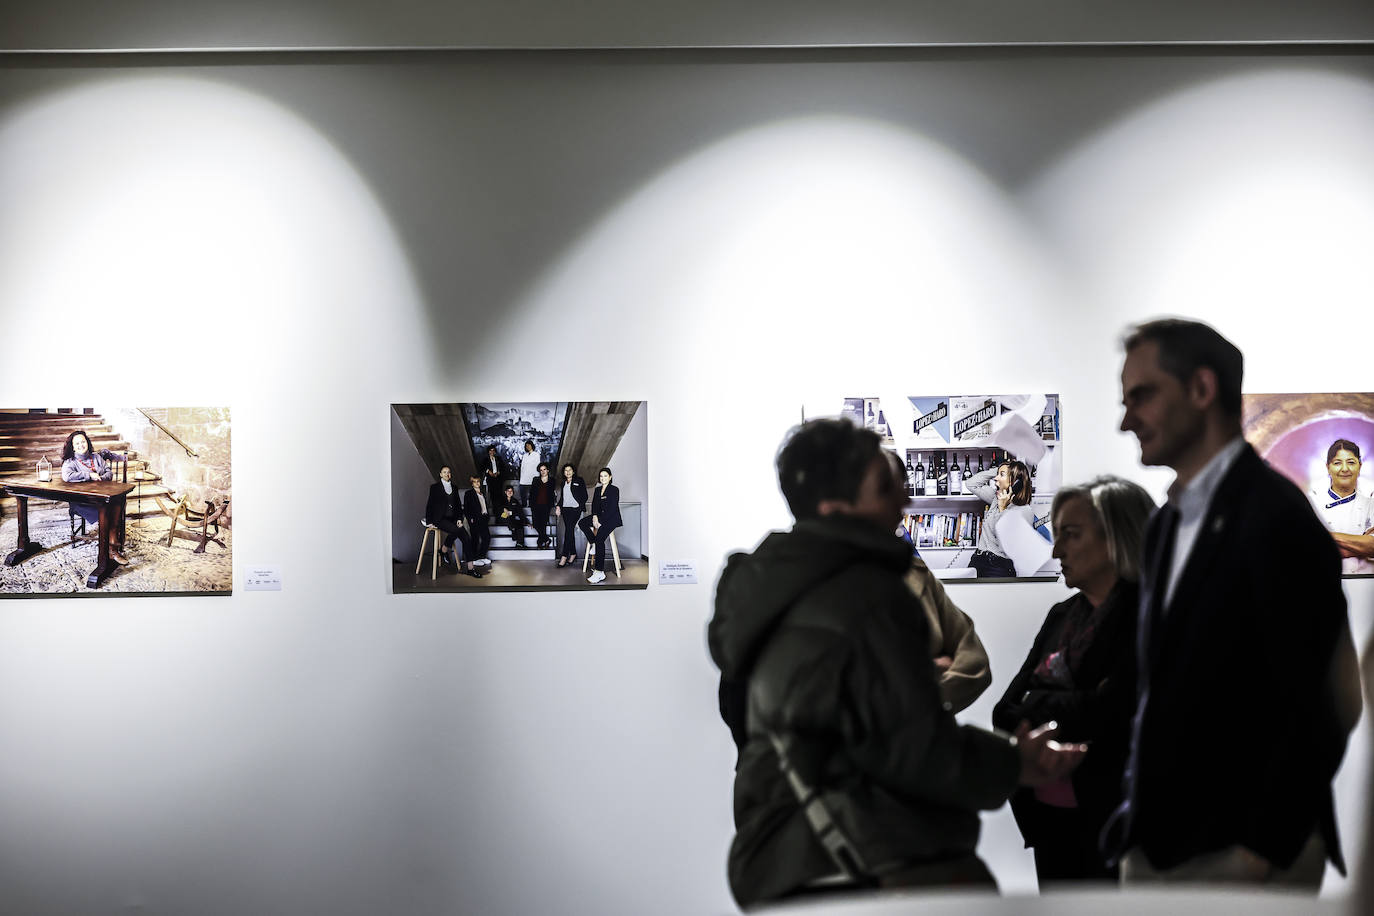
(1248,682)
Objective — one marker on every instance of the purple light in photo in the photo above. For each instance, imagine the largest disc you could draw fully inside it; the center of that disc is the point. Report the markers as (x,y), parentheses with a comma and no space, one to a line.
(1300,454)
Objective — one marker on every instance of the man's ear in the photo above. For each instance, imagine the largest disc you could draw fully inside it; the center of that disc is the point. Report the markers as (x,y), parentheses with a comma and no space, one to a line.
(834,507)
(1203,387)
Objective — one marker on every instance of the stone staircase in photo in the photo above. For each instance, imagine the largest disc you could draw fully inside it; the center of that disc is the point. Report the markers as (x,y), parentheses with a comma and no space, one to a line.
(26,437)
(503,546)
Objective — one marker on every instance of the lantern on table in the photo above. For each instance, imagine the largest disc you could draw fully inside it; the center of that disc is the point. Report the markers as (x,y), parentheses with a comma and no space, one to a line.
(44,469)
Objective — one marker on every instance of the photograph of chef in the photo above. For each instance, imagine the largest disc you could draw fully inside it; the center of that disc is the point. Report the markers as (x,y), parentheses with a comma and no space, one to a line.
(1347,513)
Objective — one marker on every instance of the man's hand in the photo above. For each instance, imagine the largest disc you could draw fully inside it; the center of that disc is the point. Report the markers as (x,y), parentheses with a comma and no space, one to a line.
(1042,759)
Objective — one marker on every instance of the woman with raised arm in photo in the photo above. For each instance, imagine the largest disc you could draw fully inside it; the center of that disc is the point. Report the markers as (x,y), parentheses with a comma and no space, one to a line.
(82,464)
(1007,485)
(1347,513)
(1080,673)
(604,518)
(568,507)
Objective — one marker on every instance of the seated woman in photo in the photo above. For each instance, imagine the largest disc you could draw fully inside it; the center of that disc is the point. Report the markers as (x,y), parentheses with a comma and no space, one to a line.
(475,510)
(1006,486)
(512,515)
(1080,673)
(570,503)
(1347,513)
(82,464)
(604,518)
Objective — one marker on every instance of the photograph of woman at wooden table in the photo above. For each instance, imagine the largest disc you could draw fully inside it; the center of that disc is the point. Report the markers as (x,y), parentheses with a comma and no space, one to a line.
(115,500)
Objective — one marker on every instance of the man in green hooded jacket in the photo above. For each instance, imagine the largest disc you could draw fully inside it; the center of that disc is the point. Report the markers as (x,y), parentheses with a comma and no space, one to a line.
(851,771)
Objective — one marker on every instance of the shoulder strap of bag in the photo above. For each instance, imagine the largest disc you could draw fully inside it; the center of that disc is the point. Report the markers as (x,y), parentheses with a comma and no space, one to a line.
(833,839)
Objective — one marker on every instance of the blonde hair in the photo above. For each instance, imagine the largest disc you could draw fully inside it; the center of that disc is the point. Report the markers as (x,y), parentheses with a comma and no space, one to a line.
(1120,508)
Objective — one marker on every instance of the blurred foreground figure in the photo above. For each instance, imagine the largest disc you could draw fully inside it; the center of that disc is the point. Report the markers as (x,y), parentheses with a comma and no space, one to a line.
(1248,685)
(852,772)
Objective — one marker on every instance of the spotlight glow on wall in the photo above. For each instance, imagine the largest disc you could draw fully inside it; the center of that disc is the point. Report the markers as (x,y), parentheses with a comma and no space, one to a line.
(211,220)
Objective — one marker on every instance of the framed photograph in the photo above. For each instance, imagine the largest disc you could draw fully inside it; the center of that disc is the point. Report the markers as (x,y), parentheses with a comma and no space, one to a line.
(519,496)
(952,447)
(1321,442)
(115,500)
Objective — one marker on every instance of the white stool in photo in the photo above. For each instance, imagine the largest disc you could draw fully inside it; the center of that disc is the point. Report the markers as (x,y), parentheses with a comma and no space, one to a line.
(615,552)
(434,569)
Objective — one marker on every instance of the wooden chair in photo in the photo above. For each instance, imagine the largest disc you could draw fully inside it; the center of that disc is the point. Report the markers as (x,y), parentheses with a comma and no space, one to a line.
(201,526)
(434,567)
(615,553)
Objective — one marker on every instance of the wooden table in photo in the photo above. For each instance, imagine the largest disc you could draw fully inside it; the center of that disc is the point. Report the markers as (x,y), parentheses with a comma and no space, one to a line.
(106,496)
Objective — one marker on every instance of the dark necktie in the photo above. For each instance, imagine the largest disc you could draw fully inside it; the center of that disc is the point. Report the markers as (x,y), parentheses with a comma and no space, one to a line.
(1163,569)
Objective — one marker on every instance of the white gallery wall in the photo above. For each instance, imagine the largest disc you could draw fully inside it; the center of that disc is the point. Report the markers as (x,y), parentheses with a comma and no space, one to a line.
(309,238)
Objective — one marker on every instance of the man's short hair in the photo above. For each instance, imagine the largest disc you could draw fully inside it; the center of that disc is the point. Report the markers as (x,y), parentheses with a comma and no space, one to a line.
(1187,346)
(824,459)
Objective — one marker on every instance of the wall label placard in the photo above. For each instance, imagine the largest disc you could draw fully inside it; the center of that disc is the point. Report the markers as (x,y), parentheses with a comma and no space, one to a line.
(262,579)
(678,572)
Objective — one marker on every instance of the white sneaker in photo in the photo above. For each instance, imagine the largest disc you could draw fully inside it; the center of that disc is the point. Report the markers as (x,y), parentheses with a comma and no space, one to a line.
(482,562)
(597,577)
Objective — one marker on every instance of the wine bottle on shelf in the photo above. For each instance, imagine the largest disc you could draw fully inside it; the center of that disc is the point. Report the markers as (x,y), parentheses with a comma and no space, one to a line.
(941,475)
(930,475)
(980,463)
(968,472)
(918,486)
(882,424)
(956,476)
(910,478)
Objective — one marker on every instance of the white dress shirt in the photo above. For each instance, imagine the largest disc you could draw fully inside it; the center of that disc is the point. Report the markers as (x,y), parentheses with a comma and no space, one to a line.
(1192,502)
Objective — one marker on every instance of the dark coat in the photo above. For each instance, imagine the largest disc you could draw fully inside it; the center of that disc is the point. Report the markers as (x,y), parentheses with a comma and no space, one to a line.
(832,650)
(1248,686)
(1097,709)
(472,508)
(441,505)
(484,470)
(579,489)
(542,492)
(511,502)
(606,507)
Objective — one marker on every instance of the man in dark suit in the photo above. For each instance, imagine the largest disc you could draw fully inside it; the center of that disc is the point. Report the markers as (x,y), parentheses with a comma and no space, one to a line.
(475,511)
(1247,687)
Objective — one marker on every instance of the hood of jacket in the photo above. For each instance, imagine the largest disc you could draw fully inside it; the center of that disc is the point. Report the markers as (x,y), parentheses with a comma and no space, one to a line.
(756,590)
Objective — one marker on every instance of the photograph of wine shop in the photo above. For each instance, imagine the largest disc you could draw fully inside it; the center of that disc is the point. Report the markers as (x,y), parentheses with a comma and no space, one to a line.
(952,447)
